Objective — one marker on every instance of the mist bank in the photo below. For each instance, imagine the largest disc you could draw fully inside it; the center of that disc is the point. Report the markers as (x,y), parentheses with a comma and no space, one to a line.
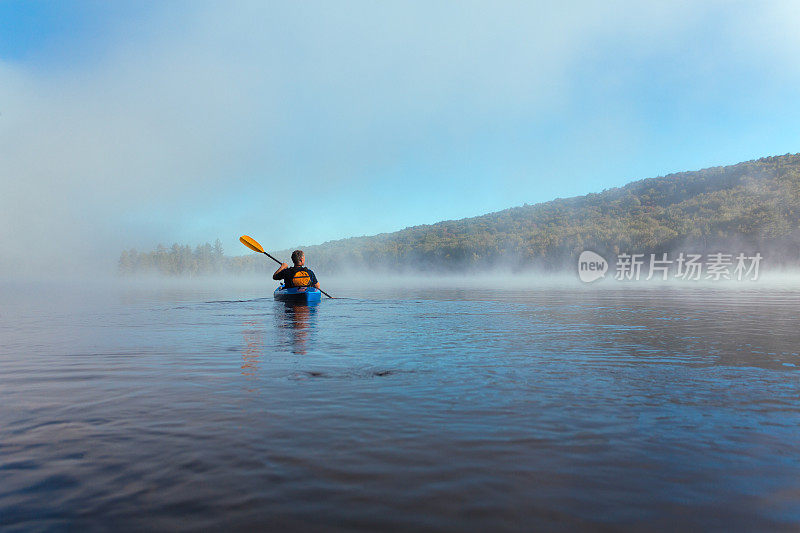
(751,207)
(371,285)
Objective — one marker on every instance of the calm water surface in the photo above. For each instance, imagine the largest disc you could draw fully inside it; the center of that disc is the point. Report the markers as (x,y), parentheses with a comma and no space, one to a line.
(448,409)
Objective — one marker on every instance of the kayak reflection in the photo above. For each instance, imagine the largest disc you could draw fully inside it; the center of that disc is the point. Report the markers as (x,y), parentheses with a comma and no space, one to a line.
(298,318)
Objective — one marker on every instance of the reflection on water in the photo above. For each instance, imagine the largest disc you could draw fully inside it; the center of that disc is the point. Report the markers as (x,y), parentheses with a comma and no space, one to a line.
(294,321)
(430,409)
(253,337)
(298,320)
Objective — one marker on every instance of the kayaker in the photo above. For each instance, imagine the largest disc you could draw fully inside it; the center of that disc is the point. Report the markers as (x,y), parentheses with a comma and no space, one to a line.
(298,275)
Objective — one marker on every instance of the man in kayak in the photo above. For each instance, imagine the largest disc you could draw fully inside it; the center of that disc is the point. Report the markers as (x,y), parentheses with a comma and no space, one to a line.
(298,275)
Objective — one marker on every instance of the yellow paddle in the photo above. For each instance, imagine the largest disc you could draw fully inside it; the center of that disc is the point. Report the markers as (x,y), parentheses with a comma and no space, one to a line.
(253,245)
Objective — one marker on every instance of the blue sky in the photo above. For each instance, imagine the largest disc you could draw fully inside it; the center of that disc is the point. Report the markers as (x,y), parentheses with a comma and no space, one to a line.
(133,124)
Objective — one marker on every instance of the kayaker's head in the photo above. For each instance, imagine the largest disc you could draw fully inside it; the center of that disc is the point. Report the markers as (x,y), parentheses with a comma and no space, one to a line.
(298,258)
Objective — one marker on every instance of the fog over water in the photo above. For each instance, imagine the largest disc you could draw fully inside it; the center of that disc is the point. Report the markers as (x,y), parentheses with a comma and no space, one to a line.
(419,400)
(359,282)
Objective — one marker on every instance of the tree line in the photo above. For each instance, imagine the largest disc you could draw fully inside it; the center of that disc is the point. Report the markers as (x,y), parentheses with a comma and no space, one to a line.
(747,207)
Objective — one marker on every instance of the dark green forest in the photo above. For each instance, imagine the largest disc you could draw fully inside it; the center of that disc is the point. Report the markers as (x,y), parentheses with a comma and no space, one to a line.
(747,207)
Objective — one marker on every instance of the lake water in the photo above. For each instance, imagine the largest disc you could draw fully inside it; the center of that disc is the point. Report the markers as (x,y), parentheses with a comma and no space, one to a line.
(437,409)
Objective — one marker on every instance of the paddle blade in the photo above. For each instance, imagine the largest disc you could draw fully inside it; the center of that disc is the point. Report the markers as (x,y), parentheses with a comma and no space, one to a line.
(251,243)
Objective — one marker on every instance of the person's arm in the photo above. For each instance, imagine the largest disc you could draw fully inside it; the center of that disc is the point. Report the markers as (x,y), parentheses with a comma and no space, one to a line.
(276,276)
(314,282)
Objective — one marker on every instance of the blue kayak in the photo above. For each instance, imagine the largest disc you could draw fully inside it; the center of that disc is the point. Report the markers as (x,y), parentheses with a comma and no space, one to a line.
(298,294)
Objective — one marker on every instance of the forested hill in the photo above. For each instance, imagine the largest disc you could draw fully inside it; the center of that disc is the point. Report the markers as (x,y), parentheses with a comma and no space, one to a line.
(751,206)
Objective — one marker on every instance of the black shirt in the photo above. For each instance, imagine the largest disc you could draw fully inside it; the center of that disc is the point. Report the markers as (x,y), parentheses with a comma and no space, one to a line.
(296,277)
